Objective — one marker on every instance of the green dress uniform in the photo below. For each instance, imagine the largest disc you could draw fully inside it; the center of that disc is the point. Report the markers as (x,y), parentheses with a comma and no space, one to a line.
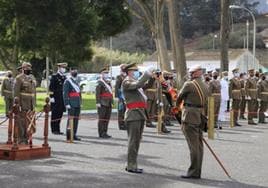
(72,99)
(235,95)
(25,91)
(104,97)
(243,100)
(215,90)
(121,103)
(150,92)
(251,94)
(263,97)
(191,122)
(7,93)
(135,115)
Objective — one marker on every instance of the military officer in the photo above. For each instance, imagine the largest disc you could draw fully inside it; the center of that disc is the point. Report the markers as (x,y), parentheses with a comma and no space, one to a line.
(263,96)
(251,96)
(25,91)
(104,102)
(215,90)
(243,94)
(118,94)
(72,101)
(56,98)
(150,92)
(194,94)
(224,96)
(235,94)
(7,91)
(135,114)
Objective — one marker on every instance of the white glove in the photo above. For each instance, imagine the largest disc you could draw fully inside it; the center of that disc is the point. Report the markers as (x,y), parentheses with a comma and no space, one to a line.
(259,100)
(230,100)
(98,105)
(248,98)
(52,100)
(68,106)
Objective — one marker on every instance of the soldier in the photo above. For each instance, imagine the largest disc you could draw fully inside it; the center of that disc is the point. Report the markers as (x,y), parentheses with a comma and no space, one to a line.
(251,96)
(263,96)
(72,101)
(7,91)
(25,91)
(235,94)
(104,102)
(118,94)
(56,98)
(150,92)
(243,94)
(135,114)
(215,90)
(194,94)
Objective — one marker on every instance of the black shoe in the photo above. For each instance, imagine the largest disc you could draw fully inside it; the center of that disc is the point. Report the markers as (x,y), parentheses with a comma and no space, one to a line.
(137,170)
(242,117)
(263,122)
(105,136)
(122,128)
(252,123)
(57,133)
(165,130)
(150,125)
(237,125)
(190,177)
(77,138)
(170,124)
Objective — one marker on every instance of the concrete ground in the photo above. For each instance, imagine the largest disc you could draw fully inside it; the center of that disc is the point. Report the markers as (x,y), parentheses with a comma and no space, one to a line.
(94,162)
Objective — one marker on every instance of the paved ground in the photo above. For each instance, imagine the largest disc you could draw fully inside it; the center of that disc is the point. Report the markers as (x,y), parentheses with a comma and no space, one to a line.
(95,163)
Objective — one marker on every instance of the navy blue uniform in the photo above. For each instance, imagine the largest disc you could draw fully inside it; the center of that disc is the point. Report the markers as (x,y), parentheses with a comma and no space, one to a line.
(57,107)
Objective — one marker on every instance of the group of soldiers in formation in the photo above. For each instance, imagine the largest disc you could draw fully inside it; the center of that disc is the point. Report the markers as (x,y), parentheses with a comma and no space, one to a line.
(140,96)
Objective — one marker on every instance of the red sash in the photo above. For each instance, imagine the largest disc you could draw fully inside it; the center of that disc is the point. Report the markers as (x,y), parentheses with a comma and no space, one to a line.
(136,105)
(74,94)
(107,94)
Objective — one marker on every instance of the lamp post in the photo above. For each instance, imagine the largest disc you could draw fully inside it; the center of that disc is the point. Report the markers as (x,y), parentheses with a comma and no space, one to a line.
(254,28)
(214,38)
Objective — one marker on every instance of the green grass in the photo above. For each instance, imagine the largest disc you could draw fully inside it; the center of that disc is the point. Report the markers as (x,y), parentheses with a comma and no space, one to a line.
(88,102)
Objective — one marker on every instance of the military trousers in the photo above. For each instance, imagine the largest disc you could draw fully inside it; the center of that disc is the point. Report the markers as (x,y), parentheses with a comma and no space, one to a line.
(121,108)
(263,108)
(73,117)
(134,131)
(242,106)
(104,113)
(152,111)
(235,109)
(22,127)
(9,104)
(56,115)
(252,112)
(193,135)
(217,104)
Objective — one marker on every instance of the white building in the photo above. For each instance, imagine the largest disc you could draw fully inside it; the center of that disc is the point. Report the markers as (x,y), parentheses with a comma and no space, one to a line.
(210,60)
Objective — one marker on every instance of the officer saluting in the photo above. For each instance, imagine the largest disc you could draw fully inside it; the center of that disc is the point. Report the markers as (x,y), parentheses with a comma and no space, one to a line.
(194,93)
(25,91)
(104,101)
(56,98)
(135,114)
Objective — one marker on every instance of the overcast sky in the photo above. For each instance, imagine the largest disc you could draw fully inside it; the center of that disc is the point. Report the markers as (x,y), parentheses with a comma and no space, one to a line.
(263,6)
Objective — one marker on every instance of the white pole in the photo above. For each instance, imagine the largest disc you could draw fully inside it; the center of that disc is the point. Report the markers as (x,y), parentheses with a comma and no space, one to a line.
(247,24)
(47,72)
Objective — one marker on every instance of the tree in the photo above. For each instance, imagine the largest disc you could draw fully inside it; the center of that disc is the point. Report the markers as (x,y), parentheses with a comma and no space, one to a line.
(224,34)
(152,13)
(176,40)
(61,29)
